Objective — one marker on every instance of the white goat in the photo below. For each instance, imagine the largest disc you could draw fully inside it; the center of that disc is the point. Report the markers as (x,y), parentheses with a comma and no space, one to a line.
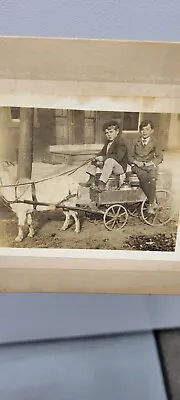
(53,191)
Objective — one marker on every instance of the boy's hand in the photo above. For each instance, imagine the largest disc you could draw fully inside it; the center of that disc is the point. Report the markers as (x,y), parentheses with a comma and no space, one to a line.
(99,158)
(150,164)
(138,164)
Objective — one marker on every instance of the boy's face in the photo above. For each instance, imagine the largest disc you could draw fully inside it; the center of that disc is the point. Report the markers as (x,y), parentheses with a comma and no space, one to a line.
(111,132)
(146,131)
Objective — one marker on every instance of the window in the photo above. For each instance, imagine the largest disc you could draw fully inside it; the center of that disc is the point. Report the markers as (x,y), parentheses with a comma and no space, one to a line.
(131,121)
(15,116)
(15,113)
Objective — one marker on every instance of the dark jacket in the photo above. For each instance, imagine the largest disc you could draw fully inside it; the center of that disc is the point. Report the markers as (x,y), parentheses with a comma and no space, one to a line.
(151,152)
(117,151)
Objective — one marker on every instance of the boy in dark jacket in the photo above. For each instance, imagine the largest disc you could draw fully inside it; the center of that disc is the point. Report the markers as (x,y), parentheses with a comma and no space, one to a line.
(111,159)
(144,159)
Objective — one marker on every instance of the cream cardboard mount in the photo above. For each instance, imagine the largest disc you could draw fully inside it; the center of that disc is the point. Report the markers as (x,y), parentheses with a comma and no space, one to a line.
(57,95)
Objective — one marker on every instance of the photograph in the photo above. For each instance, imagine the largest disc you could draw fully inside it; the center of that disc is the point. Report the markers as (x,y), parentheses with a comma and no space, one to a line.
(89,145)
(89,166)
(89,179)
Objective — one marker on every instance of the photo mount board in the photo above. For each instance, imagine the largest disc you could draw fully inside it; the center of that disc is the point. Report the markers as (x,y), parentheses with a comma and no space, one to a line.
(147,80)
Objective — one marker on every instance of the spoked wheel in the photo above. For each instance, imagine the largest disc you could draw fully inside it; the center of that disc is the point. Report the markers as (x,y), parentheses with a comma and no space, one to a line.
(115,217)
(164,212)
(134,210)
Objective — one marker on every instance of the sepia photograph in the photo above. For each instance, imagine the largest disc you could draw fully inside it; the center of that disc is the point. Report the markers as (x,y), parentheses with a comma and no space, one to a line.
(78,179)
(89,144)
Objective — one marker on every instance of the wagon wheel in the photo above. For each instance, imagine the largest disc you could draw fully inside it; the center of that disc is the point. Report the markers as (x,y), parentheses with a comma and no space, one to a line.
(134,210)
(164,212)
(115,217)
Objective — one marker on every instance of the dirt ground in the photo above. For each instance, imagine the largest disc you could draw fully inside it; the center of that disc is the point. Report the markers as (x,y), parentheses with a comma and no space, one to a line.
(136,235)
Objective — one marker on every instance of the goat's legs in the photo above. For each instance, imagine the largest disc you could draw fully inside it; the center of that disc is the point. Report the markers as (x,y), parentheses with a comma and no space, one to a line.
(30,224)
(76,220)
(67,221)
(21,223)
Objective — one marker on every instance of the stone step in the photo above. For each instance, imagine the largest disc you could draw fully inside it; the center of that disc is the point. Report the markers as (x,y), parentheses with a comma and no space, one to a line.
(69,158)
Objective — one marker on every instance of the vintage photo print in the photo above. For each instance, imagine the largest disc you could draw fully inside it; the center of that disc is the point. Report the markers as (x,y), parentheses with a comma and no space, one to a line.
(89,179)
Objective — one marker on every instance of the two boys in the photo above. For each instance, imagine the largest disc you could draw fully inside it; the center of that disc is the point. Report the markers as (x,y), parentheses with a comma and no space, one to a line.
(144,158)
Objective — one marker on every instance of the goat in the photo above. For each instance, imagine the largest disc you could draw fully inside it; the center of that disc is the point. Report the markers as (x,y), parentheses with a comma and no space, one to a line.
(59,189)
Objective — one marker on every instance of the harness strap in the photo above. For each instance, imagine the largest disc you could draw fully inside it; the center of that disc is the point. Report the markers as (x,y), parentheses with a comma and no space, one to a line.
(34,197)
(68,197)
(16,196)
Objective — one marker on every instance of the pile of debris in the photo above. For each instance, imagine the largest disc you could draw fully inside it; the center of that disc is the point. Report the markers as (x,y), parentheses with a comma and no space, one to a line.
(160,242)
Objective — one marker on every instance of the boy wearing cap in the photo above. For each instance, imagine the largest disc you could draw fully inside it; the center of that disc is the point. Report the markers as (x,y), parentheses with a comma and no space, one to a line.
(111,159)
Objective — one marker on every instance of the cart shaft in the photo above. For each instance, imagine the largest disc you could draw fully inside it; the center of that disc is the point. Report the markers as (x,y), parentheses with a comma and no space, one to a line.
(59,206)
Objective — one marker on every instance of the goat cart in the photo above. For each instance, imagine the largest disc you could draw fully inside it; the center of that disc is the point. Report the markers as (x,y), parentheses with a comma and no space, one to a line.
(117,202)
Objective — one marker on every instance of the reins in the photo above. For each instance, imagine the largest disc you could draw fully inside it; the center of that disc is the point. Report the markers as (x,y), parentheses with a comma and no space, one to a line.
(33,183)
(70,172)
